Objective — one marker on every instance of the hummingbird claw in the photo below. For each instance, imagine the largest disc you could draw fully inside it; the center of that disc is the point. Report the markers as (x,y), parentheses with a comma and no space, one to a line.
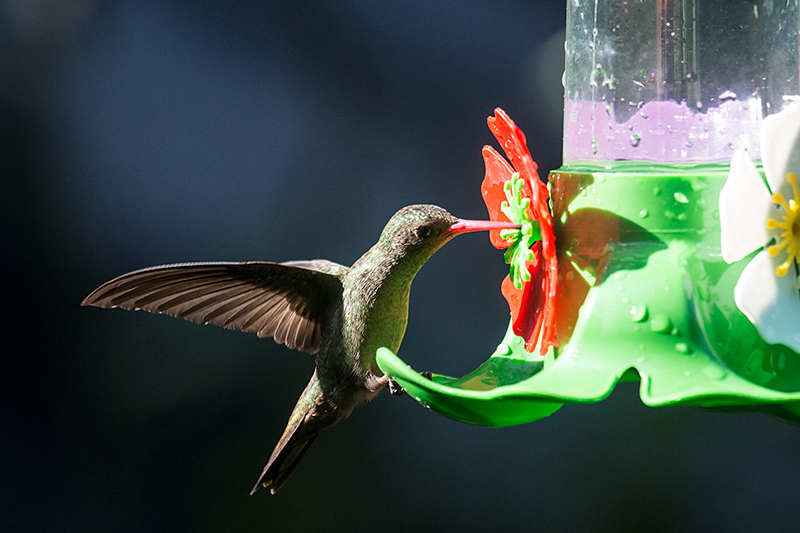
(427,375)
(395,389)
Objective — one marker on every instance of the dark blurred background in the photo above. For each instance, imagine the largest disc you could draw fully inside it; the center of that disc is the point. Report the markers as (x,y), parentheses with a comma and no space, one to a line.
(137,133)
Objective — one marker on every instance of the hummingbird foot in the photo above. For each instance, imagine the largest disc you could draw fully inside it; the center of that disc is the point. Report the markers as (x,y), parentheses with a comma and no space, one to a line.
(395,389)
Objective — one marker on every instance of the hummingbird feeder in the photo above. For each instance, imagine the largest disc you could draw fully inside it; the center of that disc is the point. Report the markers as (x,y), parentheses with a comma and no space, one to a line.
(671,255)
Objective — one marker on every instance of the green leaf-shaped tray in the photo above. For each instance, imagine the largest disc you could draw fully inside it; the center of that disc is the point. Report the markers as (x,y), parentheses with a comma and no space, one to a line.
(643,295)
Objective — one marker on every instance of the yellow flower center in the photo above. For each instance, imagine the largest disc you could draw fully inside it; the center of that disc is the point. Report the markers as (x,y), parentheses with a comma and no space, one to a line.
(789,226)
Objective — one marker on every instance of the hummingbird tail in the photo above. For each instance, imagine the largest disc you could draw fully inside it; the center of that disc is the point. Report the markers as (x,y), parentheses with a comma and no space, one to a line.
(303,427)
(282,464)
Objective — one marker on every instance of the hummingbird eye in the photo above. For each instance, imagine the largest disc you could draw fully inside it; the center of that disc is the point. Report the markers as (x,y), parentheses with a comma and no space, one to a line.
(422,231)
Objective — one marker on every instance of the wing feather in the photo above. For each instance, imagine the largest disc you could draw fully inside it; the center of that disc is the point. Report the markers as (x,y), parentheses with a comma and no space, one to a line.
(290,302)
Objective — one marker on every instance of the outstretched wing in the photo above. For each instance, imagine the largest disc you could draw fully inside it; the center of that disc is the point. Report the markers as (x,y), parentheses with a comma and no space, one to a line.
(288,302)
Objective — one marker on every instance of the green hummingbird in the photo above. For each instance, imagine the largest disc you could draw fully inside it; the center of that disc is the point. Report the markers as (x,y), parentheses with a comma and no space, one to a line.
(340,314)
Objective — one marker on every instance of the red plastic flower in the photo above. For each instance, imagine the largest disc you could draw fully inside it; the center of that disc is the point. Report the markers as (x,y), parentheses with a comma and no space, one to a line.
(533,304)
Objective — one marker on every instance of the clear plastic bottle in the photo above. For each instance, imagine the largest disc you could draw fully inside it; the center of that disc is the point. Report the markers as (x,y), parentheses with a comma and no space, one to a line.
(675,80)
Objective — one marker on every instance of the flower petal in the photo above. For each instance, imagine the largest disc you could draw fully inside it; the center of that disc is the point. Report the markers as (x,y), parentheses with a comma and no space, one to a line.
(514,145)
(525,304)
(498,172)
(780,147)
(771,302)
(745,204)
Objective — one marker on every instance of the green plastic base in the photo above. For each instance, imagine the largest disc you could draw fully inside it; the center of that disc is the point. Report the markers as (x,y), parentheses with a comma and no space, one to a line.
(643,293)
(488,396)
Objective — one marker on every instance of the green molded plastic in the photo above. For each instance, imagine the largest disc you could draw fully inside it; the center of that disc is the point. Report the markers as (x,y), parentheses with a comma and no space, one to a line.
(643,294)
(516,209)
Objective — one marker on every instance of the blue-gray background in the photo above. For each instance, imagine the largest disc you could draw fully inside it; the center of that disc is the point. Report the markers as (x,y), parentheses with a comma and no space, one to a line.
(137,133)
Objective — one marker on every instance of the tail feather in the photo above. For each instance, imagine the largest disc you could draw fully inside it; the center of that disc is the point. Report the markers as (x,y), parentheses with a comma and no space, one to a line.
(304,425)
(281,464)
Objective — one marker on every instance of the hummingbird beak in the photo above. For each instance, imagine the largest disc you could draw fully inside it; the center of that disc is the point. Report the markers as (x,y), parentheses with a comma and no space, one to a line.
(467,226)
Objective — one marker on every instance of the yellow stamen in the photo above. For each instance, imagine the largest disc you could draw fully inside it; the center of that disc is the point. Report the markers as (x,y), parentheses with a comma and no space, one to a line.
(789,226)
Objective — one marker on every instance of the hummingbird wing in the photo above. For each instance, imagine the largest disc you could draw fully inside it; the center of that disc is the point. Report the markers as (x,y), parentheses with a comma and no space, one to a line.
(288,302)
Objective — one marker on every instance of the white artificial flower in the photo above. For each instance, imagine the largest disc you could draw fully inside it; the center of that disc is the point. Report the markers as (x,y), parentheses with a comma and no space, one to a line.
(753,218)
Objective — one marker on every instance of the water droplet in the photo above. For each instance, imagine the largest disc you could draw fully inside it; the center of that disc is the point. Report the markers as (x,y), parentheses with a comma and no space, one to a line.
(660,324)
(635,140)
(594,148)
(702,292)
(657,191)
(714,372)
(644,213)
(727,96)
(638,312)
(780,364)
(680,198)
(504,349)
(689,144)
(683,348)
(687,373)
(642,359)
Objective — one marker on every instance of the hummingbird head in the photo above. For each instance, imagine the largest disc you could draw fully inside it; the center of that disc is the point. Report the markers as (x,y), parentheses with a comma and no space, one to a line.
(415,232)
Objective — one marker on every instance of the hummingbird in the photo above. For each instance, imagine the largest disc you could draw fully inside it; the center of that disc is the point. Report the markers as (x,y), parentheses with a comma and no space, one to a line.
(340,314)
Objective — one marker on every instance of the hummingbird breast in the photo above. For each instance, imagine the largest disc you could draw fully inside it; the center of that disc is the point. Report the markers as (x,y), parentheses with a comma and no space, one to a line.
(373,314)
(375,318)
